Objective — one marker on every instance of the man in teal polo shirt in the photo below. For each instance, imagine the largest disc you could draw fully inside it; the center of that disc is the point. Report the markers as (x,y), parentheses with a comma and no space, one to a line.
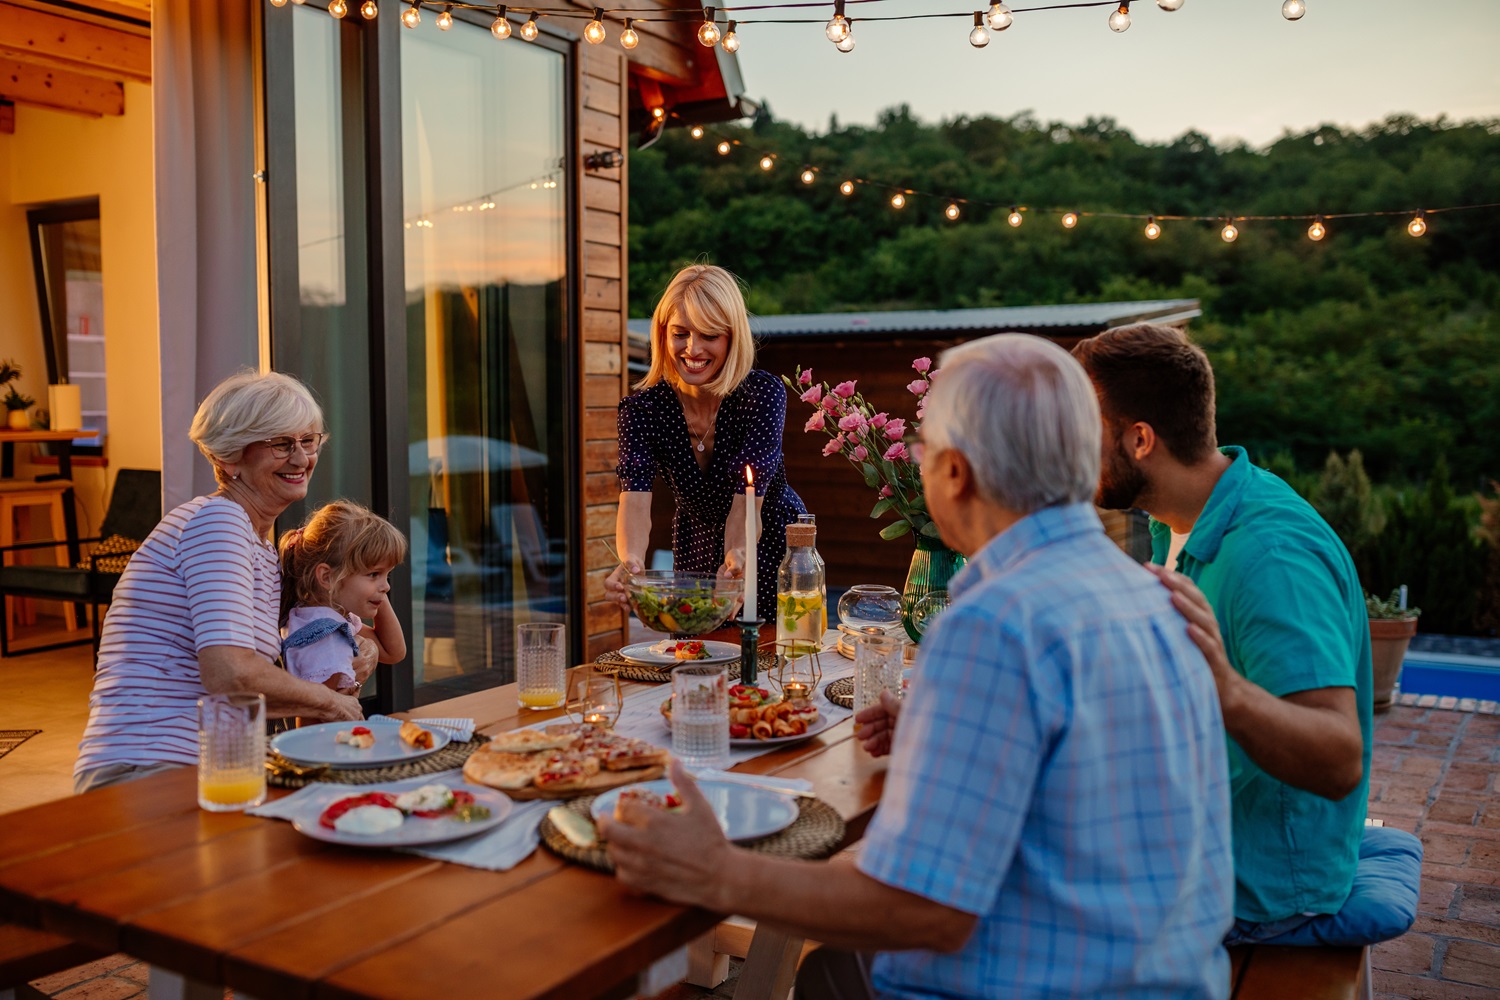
(1290,649)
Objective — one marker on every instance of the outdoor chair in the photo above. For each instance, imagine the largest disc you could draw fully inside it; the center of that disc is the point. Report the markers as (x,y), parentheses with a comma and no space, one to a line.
(134,510)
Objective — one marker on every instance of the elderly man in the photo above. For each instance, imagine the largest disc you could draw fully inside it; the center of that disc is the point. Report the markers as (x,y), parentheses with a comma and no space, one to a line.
(1293,664)
(1055,817)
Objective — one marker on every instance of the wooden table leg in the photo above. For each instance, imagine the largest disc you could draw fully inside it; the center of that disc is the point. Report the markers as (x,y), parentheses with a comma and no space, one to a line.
(771,967)
(707,967)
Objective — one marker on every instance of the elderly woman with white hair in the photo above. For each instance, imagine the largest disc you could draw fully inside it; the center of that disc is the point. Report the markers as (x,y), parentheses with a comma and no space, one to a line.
(196,609)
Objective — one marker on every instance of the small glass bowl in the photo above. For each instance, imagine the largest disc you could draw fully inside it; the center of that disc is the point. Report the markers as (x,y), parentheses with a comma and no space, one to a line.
(867,604)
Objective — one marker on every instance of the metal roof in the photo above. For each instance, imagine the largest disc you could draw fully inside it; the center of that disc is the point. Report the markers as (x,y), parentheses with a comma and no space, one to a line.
(1092,316)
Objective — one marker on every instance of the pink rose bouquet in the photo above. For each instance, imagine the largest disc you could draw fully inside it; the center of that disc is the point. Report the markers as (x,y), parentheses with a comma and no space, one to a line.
(874,442)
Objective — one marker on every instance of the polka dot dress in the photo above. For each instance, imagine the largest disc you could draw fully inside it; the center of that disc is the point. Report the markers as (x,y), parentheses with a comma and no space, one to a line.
(747,431)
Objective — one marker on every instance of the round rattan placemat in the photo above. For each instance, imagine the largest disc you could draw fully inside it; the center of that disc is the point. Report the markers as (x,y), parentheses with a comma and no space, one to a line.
(613,663)
(281,773)
(817,832)
(840,692)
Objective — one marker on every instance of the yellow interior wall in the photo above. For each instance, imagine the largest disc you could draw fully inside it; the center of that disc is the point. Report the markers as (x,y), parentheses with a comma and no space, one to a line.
(53,157)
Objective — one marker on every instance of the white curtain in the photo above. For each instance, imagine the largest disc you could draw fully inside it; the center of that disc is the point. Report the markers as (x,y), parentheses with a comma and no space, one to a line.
(204,101)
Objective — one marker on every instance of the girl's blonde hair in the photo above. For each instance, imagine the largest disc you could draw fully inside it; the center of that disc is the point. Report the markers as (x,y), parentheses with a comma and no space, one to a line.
(706,299)
(349,538)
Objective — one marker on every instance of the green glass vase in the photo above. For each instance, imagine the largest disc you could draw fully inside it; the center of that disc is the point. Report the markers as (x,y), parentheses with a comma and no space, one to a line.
(932,566)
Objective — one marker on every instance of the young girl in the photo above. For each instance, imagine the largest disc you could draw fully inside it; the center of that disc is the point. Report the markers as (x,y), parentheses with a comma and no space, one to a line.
(335,575)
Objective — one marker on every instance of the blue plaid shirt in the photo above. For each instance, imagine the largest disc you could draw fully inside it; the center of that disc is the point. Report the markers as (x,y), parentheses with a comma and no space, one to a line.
(1059,771)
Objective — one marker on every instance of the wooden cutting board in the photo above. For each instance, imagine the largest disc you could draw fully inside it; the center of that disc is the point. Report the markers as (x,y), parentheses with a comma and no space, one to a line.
(601,782)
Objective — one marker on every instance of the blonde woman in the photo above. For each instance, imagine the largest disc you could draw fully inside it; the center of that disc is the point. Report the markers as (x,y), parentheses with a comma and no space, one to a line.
(701,416)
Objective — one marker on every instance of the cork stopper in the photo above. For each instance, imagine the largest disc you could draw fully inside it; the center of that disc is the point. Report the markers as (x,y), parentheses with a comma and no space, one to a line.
(801,534)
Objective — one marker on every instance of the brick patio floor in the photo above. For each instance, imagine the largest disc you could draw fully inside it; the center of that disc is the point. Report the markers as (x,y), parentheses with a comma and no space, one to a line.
(1433,774)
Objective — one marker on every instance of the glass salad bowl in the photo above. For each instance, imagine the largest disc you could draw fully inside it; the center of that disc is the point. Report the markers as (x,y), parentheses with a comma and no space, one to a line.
(682,603)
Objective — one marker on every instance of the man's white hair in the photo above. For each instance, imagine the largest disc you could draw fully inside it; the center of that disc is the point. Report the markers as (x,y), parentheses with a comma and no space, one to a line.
(1024,414)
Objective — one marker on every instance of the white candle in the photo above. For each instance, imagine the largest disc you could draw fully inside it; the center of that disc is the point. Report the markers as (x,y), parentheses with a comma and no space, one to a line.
(749,544)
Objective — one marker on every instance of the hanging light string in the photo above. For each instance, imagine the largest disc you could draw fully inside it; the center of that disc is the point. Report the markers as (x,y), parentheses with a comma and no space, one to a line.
(901,194)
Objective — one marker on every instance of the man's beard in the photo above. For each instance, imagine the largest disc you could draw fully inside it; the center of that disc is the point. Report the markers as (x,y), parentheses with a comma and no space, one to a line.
(1121,482)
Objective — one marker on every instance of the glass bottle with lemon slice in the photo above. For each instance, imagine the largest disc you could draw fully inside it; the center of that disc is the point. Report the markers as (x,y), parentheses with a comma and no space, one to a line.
(801,610)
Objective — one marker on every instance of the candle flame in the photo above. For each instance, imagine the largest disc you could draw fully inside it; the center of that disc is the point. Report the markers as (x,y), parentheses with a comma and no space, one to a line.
(749,476)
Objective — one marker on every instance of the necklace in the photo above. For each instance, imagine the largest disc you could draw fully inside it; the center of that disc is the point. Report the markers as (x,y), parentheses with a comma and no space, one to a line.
(704,436)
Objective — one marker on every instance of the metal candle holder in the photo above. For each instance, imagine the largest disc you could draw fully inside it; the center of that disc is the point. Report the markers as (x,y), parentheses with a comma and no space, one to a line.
(749,649)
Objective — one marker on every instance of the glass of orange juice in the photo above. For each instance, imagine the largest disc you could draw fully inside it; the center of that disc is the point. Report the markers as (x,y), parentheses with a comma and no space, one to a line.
(541,665)
(231,751)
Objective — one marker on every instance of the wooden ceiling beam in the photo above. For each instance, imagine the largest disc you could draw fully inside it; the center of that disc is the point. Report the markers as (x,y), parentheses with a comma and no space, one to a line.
(28,83)
(130,16)
(73,46)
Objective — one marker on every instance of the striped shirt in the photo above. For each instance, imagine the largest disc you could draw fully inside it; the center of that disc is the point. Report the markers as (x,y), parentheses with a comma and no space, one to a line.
(1059,772)
(202,578)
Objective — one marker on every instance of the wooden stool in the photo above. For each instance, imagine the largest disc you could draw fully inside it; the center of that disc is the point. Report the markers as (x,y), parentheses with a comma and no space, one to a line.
(15,494)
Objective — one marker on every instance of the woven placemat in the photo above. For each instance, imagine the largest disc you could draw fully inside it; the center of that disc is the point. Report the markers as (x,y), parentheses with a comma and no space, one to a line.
(451,756)
(840,692)
(816,833)
(613,663)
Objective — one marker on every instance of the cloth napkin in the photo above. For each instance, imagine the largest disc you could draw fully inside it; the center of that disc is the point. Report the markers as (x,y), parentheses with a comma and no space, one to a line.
(502,848)
(461,730)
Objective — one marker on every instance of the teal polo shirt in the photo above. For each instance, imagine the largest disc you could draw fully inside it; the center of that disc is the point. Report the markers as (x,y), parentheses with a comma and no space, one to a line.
(1292,614)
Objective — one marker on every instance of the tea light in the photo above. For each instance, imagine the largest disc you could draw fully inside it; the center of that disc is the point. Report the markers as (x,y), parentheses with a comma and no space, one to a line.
(796,691)
(597,719)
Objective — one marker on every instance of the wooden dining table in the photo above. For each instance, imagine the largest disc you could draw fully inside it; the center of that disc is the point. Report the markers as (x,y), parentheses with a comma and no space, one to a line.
(225,899)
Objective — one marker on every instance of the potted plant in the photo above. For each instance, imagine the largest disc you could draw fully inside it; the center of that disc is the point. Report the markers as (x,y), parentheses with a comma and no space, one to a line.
(1392,624)
(16,402)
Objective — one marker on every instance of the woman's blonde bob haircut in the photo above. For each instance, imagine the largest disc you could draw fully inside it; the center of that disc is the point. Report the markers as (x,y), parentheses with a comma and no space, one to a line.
(705,299)
(248,407)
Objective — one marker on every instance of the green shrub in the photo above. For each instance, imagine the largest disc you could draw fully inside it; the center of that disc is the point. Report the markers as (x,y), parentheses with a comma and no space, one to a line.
(1345,498)
(1487,617)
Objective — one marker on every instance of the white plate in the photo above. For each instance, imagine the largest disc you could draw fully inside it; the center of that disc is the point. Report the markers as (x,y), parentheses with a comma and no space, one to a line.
(817,727)
(744,813)
(719,652)
(415,830)
(312,745)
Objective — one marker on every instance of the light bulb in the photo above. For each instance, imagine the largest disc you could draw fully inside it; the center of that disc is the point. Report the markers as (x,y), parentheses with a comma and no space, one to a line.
(951,212)
(846,188)
(999,17)
(846,44)
(731,41)
(278,3)
(837,29)
(629,39)
(1069,220)
(445,19)
(1152,229)
(412,16)
(808,176)
(708,31)
(658,112)
(898,200)
(368,10)
(593,32)
(1014,218)
(338,9)
(1417,226)
(1169,4)
(1229,233)
(1293,10)
(724,148)
(501,28)
(979,38)
(1120,19)
(766,163)
(696,131)
(529,30)
(1317,230)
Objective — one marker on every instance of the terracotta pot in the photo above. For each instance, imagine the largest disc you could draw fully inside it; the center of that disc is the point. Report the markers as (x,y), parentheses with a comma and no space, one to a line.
(19,421)
(1389,638)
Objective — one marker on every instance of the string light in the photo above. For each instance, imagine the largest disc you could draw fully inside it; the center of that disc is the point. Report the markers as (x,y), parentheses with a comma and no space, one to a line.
(1014,218)
(1069,220)
(898,200)
(278,3)
(445,19)
(731,41)
(1293,10)
(629,40)
(529,30)
(846,188)
(708,31)
(1120,19)
(1229,233)
(501,28)
(837,28)
(338,9)
(658,112)
(696,132)
(723,149)
(1152,230)
(1317,230)
(979,38)
(999,17)
(1169,5)
(368,10)
(808,176)
(1418,225)
(952,211)
(767,162)
(594,32)
(846,44)
(412,16)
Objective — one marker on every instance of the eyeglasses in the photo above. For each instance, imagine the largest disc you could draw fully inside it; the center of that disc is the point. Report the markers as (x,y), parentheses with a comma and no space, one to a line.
(310,445)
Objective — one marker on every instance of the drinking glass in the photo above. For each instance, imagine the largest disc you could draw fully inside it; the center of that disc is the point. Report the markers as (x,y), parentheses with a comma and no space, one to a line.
(925,612)
(541,665)
(700,714)
(867,604)
(231,751)
(877,667)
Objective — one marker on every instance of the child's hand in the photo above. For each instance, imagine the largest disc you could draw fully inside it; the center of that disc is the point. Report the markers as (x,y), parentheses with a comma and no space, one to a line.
(364,663)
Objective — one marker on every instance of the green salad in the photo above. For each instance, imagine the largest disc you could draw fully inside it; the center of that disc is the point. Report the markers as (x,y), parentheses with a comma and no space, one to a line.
(689,614)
